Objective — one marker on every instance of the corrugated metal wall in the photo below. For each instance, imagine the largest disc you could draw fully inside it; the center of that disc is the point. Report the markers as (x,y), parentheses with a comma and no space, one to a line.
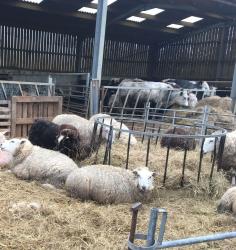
(208,55)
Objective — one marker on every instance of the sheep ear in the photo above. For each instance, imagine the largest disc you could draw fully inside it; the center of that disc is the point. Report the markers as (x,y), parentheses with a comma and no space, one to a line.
(6,133)
(135,172)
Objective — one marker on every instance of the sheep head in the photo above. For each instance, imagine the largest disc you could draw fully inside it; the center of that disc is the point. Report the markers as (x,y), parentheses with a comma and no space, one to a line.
(13,146)
(145,179)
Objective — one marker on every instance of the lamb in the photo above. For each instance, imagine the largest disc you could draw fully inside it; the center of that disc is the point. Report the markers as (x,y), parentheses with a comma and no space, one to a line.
(227,202)
(35,163)
(64,138)
(178,143)
(107,184)
(229,153)
(85,130)
(124,136)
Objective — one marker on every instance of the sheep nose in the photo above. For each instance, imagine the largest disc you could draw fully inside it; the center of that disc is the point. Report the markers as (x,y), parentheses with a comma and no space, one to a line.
(143,188)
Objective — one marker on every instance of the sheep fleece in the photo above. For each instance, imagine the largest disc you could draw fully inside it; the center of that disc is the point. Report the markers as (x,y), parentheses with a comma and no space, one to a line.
(103,184)
(36,163)
(227,202)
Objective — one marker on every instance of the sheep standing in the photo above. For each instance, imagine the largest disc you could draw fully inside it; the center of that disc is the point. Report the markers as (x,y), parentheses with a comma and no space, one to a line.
(107,119)
(178,143)
(229,153)
(227,202)
(85,130)
(64,138)
(35,163)
(108,184)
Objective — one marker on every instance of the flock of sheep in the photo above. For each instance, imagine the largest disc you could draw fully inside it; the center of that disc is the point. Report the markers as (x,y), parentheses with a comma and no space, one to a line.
(36,158)
(49,155)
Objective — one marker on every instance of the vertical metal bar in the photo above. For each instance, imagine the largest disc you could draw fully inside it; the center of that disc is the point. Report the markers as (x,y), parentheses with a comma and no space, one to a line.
(99,141)
(128,149)
(152,227)
(159,129)
(200,161)
(98,53)
(148,149)
(162,226)
(134,210)
(121,123)
(213,159)
(166,163)
(184,164)
(233,91)
(221,151)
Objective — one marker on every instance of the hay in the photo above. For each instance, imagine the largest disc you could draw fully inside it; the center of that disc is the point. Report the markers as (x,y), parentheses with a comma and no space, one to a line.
(65,223)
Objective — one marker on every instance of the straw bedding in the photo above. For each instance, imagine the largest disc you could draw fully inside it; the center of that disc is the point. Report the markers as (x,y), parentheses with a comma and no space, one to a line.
(65,223)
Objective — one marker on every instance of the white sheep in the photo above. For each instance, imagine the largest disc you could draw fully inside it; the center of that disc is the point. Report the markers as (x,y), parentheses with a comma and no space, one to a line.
(35,163)
(124,136)
(85,130)
(229,153)
(227,202)
(108,184)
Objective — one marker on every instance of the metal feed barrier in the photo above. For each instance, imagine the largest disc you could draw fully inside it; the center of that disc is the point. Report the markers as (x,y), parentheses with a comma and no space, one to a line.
(75,96)
(153,243)
(116,106)
(21,88)
(150,132)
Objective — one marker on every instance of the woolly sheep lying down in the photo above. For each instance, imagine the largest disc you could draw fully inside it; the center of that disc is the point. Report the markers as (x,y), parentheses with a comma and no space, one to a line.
(124,136)
(36,163)
(85,130)
(108,184)
(227,202)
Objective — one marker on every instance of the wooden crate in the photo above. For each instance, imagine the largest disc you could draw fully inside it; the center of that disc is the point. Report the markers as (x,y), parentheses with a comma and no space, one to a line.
(5,115)
(25,109)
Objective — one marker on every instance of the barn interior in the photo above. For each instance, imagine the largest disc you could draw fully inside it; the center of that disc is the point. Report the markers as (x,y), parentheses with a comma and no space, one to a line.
(52,41)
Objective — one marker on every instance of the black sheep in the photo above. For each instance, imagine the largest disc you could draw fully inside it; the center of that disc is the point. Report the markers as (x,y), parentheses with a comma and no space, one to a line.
(178,143)
(64,138)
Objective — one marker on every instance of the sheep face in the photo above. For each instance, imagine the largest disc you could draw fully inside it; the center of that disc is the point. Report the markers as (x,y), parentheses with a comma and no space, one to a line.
(182,98)
(145,179)
(209,145)
(2,136)
(12,146)
(192,100)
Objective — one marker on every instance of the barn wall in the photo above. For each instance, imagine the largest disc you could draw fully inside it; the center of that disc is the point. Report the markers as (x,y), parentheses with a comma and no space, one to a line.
(121,59)
(209,55)
(36,50)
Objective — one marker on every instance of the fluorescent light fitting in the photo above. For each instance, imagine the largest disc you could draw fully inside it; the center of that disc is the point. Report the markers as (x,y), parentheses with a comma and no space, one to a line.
(33,1)
(192,19)
(175,26)
(87,10)
(108,2)
(136,19)
(153,11)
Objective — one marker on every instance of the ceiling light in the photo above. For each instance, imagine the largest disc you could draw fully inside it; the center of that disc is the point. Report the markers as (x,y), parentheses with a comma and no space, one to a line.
(192,19)
(108,2)
(88,10)
(175,26)
(153,11)
(33,1)
(136,19)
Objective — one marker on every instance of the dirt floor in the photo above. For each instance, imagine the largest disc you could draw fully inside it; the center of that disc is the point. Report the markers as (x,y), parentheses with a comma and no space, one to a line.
(65,223)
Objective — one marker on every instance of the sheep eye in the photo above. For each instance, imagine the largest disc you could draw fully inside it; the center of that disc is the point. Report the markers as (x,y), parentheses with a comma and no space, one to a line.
(12,142)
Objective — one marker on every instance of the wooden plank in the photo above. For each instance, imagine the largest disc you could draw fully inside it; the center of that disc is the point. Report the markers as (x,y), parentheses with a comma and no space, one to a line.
(26,121)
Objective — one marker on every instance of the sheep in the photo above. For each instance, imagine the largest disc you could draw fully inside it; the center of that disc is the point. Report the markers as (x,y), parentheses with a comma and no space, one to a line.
(5,159)
(178,143)
(192,100)
(107,184)
(124,136)
(64,138)
(227,202)
(229,153)
(35,163)
(85,130)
